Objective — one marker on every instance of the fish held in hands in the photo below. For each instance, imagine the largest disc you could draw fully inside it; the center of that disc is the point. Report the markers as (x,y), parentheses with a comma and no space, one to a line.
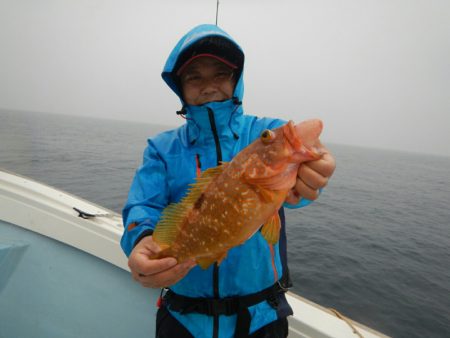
(229,203)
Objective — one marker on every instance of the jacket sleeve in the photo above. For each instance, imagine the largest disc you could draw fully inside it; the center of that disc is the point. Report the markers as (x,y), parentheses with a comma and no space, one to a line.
(147,197)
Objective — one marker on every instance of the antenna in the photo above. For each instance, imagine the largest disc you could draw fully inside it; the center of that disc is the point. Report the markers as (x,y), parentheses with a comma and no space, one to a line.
(217,11)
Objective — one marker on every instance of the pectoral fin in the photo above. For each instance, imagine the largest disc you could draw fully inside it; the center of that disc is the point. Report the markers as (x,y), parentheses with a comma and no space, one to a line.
(266,195)
(271,229)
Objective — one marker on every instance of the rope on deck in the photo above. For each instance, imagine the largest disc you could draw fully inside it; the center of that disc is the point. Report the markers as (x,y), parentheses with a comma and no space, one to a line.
(347,320)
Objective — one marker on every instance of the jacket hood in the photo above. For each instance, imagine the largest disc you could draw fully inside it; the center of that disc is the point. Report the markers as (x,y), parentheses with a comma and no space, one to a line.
(190,39)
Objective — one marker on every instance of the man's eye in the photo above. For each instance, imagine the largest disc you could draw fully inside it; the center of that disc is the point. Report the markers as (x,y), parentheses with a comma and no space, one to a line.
(192,78)
(224,75)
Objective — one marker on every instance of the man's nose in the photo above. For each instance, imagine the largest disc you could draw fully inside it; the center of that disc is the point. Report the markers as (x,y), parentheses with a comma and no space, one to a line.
(209,85)
(209,81)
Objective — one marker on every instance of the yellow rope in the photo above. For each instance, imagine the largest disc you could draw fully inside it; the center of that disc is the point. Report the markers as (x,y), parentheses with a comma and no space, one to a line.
(348,321)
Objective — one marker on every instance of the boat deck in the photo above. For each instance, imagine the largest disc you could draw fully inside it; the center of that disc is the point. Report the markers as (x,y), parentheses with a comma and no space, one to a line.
(49,289)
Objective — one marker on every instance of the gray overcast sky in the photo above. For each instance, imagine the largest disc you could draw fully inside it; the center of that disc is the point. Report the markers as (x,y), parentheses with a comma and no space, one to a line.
(376,72)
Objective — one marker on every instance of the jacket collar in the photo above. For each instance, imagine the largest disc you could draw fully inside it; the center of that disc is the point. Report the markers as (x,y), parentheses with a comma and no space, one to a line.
(223,118)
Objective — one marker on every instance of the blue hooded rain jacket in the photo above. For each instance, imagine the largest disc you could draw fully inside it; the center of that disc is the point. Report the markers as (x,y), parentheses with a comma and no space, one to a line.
(213,132)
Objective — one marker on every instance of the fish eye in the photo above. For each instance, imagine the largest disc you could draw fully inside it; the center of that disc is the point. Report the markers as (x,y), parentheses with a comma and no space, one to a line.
(267,136)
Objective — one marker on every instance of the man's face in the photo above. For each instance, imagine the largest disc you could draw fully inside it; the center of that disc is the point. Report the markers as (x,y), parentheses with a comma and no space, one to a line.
(206,80)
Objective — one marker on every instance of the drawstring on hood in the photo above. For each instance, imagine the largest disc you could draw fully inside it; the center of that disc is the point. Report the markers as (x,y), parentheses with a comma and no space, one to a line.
(236,101)
(182,111)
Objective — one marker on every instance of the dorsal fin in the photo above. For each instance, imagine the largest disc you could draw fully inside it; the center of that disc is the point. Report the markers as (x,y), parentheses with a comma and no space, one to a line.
(199,186)
(166,229)
(173,215)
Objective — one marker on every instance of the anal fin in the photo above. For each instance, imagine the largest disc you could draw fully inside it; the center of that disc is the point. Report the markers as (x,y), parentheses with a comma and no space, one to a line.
(205,262)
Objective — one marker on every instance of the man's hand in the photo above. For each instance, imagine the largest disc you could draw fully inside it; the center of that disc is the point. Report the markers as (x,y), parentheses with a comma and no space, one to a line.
(311,177)
(155,273)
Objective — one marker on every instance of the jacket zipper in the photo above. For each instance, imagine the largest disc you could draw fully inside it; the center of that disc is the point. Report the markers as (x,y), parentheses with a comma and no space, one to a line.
(212,122)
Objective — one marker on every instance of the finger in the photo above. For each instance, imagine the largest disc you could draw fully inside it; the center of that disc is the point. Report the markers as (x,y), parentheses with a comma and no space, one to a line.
(293,197)
(306,191)
(135,276)
(325,166)
(167,281)
(141,264)
(148,244)
(311,177)
(185,265)
(168,277)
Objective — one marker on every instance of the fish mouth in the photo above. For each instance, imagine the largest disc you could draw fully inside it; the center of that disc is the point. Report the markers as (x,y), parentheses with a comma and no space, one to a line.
(304,138)
(292,136)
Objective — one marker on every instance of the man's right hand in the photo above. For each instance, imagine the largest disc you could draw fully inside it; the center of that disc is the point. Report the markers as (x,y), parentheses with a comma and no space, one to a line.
(155,273)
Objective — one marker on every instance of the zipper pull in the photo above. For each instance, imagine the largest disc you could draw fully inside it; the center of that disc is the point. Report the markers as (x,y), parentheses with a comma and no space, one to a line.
(198,165)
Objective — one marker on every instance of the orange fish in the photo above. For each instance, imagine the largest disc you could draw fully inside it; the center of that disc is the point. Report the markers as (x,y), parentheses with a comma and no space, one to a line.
(229,203)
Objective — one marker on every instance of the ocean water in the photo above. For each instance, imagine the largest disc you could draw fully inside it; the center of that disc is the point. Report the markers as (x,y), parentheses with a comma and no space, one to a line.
(375,246)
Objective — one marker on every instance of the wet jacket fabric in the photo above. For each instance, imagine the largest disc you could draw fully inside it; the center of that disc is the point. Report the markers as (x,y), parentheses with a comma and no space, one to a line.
(213,132)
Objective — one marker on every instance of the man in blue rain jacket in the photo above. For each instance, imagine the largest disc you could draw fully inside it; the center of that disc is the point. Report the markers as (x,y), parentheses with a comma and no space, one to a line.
(243,297)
